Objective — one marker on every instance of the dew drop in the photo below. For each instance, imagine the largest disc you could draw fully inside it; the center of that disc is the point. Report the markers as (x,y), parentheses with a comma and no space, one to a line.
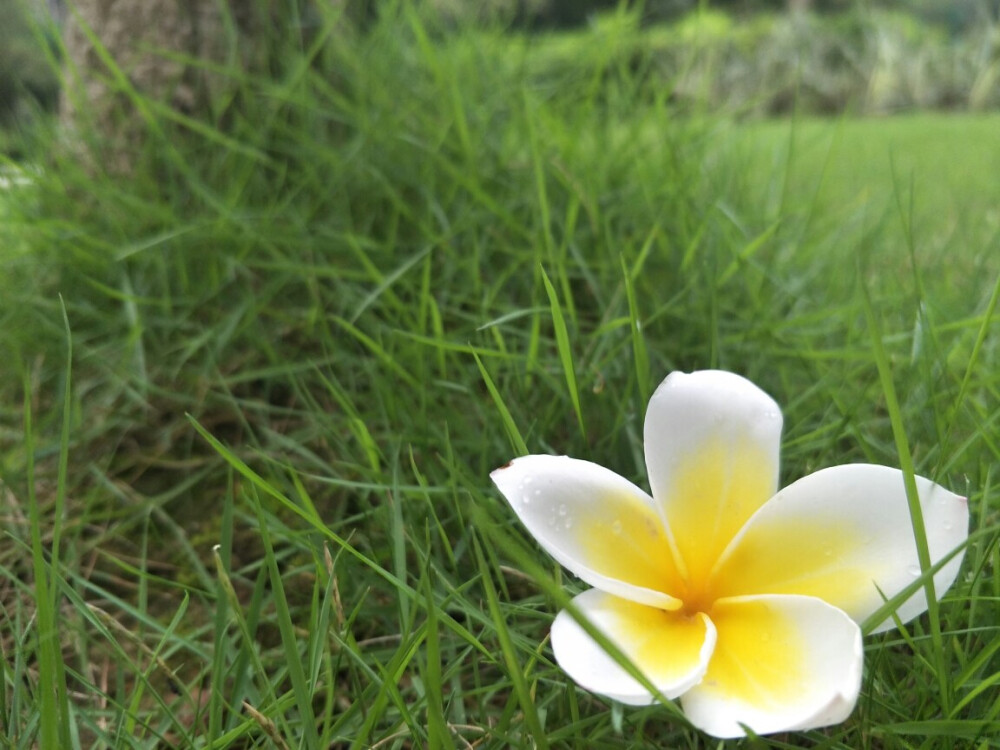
(948,525)
(913,570)
(569,524)
(616,528)
(525,500)
(562,509)
(538,493)
(827,550)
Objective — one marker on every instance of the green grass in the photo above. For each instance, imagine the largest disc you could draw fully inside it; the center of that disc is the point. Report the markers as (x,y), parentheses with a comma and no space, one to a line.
(937,166)
(304,333)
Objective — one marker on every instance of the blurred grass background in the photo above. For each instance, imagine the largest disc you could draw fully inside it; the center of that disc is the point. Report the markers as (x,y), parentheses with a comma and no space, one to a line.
(306,326)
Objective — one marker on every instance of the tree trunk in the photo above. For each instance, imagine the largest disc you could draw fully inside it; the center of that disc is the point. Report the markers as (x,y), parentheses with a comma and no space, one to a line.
(122,53)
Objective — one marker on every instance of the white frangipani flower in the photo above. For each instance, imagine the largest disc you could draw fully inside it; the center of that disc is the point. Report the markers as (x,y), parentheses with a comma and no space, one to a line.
(741,600)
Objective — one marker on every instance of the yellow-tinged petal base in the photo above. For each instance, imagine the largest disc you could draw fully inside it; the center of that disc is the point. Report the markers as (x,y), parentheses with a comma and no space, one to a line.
(758,654)
(666,644)
(713,493)
(670,648)
(625,539)
(843,534)
(596,523)
(781,663)
(796,557)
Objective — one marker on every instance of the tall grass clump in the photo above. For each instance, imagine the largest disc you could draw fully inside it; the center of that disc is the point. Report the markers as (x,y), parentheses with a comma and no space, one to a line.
(307,323)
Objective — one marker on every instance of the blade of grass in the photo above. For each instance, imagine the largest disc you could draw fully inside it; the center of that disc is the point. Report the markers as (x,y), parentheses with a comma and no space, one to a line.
(155,661)
(744,255)
(59,513)
(437,725)
(513,434)
(912,496)
(222,557)
(640,356)
(970,366)
(289,641)
(385,687)
(509,654)
(892,604)
(565,350)
(47,634)
(228,594)
(53,718)
(379,351)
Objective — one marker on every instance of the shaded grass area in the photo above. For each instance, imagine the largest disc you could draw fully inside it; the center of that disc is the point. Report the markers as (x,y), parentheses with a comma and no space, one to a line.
(307,331)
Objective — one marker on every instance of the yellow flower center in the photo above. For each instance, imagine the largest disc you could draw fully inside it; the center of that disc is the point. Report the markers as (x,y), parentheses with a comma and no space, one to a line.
(697,599)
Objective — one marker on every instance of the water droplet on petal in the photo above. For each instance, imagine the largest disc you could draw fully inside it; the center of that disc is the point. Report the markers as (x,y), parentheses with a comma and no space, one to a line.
(913,570)
(948,525)
(562,509)
(569,523)
(538,493)
(616,528)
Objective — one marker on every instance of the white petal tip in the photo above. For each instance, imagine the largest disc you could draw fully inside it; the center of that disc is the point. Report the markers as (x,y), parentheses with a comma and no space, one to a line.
(496,471)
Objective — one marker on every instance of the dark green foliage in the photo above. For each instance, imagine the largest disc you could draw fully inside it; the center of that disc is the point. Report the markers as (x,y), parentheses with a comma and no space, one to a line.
(28,81)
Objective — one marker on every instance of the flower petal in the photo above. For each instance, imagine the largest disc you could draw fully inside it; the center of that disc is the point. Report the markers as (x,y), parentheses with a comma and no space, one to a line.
(844,535)
(672,649)
(595,523)
(712,441)
(781,663)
